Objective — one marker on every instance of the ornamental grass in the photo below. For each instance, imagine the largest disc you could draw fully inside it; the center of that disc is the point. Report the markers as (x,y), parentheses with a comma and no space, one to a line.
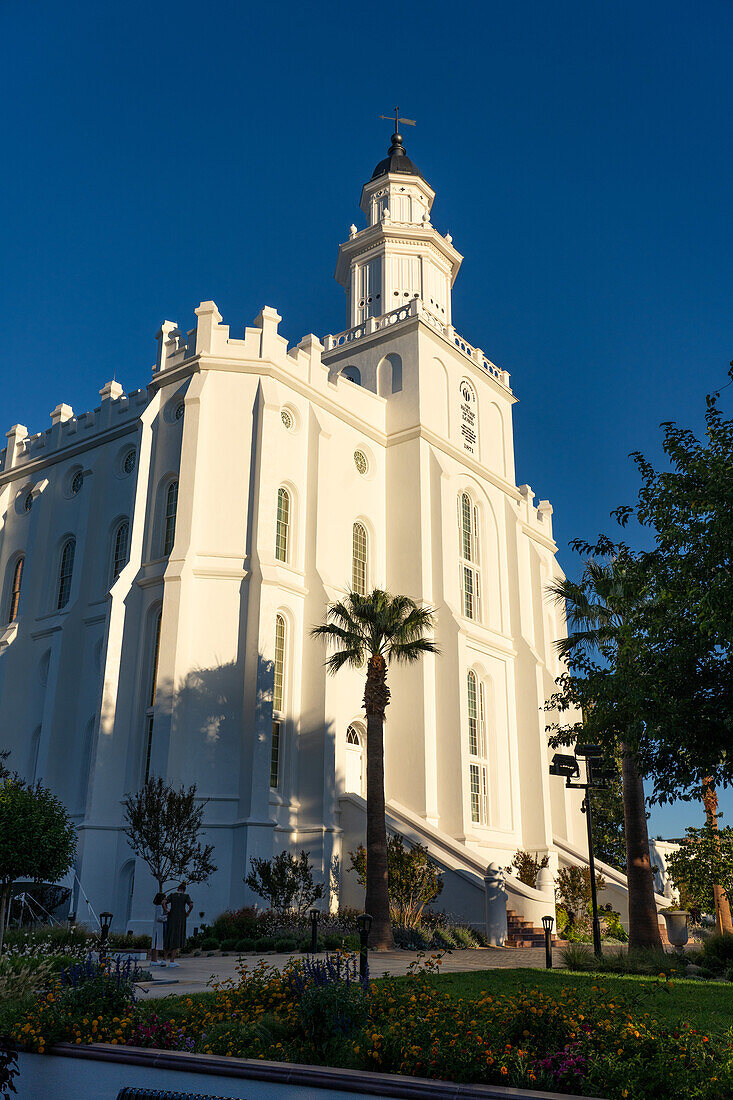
(604,1045)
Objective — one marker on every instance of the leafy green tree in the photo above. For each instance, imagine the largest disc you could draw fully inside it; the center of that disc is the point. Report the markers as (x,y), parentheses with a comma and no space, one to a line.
(377,629)
(414,880)
(608,821)
(164,827)
(685,644)
(285,882)
(37,838)
(602,610)
(704,860)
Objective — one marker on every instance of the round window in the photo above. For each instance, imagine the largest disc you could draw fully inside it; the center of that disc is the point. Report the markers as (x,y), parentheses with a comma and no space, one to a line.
(179,411)
(286,418)
(28,502)
(77,482)
(360,461)
(128,462)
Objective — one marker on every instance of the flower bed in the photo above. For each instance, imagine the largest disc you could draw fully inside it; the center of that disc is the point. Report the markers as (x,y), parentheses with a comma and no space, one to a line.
(320,1013)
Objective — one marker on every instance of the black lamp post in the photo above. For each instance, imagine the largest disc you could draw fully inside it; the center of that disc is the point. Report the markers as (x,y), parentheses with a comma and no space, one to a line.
(547,923)
(314,915)
(105,922)
(364,921)
(596,778)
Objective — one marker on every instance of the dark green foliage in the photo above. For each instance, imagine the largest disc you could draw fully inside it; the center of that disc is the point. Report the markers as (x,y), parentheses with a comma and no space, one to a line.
(649,961)
(91,988)
(164,827)
(528,865)
(717,952)
(37,837)
(228,945)
(414,880)
(285,882)
(209,944)
(704,858)
(235,924)
(608,821)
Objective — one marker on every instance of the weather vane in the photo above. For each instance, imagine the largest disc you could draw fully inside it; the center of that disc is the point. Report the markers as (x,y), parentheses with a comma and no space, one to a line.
(396,119)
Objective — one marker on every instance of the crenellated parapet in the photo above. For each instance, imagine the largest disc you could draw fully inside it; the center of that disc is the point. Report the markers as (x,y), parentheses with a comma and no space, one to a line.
(539,517)
(117,410)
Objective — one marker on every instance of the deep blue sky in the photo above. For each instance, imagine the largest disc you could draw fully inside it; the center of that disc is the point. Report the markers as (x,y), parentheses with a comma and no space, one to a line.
(163,153)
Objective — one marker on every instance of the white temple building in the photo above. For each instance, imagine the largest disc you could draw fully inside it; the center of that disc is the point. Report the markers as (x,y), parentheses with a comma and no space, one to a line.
(164,557)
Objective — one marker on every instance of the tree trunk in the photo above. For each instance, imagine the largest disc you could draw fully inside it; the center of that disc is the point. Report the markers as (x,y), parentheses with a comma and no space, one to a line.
(376,698)
(723,921)
(4,894)
(643,920)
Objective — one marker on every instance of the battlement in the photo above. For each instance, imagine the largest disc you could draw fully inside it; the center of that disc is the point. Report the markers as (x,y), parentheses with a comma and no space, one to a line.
(540,516)
(211,339)
(117,409)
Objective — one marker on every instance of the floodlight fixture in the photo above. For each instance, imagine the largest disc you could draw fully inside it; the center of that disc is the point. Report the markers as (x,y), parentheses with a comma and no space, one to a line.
(564,765)
(592,752)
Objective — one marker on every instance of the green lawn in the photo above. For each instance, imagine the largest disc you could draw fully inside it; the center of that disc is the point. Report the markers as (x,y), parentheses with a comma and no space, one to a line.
(707,1005)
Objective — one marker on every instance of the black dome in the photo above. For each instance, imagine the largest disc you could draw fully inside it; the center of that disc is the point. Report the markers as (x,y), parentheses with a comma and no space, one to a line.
(396,160)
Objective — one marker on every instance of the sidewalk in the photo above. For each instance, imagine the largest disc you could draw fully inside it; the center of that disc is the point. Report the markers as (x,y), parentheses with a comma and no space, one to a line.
(195,973)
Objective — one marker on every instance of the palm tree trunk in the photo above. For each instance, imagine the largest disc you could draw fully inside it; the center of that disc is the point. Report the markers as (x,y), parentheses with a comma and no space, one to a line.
(643,920)
(722,907)
(376,698)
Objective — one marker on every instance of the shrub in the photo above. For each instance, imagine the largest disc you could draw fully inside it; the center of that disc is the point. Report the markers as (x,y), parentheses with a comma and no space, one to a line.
(285,882)
(650,961)
(228,945)
(246,945)
(414,880)
(47,939)
(160,1034)
(286,945)
(528,865)
(119,942)
(209,944)
(235,924)
(573,893)
(266,943)
(92,987)
(21,976)
(717,952)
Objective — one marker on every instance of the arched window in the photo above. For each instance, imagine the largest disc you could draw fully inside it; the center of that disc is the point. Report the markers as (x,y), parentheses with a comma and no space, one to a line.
(66,571)
(468,539)
(354,763)
(278,697)
(477,766)
(120,547)
(15,590)
(149,720)
(353,374)
(282,530)
(169,519)
(360,560)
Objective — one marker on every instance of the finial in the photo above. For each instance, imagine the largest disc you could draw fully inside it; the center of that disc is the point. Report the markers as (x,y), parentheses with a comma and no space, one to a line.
(398,146)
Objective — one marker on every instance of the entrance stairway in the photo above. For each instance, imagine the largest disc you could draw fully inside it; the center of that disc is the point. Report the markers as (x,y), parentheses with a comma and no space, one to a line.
(522,933)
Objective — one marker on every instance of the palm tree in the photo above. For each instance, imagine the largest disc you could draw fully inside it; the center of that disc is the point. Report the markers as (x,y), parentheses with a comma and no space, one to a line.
(377,628)
(598,608)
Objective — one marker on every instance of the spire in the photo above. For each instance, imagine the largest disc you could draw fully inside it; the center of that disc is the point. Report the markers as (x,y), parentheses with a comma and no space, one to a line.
(397,159)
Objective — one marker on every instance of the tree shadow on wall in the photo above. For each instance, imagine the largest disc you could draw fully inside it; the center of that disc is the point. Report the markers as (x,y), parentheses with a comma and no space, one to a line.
(219,716)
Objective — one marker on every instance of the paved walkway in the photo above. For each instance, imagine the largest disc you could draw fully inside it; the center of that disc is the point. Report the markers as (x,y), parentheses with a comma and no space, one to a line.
(194,974)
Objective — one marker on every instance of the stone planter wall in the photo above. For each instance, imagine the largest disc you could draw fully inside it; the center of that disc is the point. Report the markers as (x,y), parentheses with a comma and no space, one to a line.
(101,1070)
